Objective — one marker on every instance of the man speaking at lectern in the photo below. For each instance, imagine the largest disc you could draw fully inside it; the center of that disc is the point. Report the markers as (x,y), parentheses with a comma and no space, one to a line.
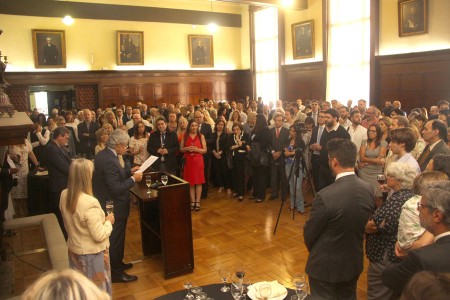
(112,182)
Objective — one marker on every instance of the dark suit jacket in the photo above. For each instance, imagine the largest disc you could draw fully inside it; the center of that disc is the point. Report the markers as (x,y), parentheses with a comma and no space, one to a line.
(57,161)
(7,183)
(206,130)
(314,134)
(334,233)
(172,146)
(87,143)
(440,148)
(433,257)
(112,182)
(278,144)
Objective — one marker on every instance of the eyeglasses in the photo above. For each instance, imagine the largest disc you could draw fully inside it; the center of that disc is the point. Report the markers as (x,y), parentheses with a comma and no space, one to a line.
(419,205)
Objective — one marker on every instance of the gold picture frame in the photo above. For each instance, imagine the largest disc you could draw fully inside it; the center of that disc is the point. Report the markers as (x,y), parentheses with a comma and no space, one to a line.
(303,39)
(130,47)
(49,48)
(201,51)
(412,17)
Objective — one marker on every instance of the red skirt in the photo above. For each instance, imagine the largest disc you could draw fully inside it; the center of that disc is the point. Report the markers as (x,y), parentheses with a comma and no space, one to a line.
(194,169)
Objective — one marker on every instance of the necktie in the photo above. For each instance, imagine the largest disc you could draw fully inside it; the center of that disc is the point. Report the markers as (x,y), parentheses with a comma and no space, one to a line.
(319,134)
(278,132)
(119,122)
(423,157)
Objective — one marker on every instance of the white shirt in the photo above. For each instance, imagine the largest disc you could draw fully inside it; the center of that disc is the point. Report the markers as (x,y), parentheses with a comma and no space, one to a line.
(434,144)
(344,174)
(357,135)
(410,160)
(441,235)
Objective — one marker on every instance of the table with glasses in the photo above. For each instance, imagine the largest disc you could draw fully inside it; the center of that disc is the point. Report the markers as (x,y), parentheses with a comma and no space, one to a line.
(212,291)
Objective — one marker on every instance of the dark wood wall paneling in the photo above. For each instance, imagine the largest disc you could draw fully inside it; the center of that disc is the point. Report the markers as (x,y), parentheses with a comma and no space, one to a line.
(416,79)
(305,81)
(101,88)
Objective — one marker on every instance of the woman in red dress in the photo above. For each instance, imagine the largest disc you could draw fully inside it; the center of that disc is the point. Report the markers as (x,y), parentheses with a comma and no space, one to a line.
(193,146)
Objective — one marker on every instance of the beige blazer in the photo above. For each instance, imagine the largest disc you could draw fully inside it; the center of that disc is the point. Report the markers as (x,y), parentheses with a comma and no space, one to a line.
(88,232)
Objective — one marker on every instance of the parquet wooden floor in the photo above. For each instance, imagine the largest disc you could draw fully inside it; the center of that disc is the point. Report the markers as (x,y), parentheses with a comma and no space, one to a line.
(225,232)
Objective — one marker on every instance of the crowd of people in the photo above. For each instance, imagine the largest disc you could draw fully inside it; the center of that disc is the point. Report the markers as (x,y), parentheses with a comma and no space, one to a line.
(374,172)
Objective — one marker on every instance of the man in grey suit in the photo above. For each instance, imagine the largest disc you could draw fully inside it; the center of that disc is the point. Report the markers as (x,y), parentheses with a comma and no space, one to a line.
(435,134)
(334,233)
(434,212)
(112,182)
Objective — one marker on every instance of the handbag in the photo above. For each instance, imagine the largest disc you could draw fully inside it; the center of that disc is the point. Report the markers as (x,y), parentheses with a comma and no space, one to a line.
(257,156)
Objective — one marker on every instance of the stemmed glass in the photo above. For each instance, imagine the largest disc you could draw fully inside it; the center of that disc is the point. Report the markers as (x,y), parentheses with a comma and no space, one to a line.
(246,283)
(236,291)
(109,207)
(224,273)
(164,179)
(188,285)
(301,286)
(148,183)
(196,290)
(240,271)
(381,179)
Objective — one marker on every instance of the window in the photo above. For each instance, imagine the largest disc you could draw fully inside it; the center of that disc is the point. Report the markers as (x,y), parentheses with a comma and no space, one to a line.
(266,54)
(348,70)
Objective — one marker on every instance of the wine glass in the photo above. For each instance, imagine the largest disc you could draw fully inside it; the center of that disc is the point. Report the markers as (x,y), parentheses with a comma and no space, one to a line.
(148,183)
(303,291)
(195,290)
(224,273)
(301,286)
(240,271)
(188,285)
(265,291)
(109,207)
(236,291)
(381,179)
(201,296)
(246,283)
(164,179)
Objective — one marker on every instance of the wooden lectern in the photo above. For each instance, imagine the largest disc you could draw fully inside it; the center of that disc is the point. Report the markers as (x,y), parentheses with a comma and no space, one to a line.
(166,225)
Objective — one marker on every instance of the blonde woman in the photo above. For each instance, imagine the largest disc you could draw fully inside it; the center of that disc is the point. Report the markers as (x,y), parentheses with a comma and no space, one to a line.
(207,118)
(102,136)
(66,284)
(87,227)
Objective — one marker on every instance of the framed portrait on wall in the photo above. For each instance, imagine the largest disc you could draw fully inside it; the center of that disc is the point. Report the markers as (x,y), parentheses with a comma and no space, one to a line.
(201,51)
(303,39)
(49,48)
(412,17)
(130,48)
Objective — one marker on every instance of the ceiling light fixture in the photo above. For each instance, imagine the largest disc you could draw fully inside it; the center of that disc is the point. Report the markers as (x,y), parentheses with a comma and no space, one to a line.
(212,27)
(68,20)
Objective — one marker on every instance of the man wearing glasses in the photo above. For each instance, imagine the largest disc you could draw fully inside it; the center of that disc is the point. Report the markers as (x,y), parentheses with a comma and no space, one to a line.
(434,214)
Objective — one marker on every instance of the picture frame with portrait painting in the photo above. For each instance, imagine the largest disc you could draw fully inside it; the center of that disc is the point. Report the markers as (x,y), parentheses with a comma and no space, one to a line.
(130,47)
(49,48)
(303,39)
(201,51)
(412,17)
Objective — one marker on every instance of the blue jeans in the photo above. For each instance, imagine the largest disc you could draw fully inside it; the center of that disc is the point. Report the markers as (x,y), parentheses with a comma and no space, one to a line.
(299,204)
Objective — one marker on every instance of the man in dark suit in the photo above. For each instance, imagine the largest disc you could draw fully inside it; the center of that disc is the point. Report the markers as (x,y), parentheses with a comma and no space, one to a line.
(315,146)
(112,182)
(332,130)
(279,139)
(57,160)
(206,130)
(86,134)
(314,111)
(334,233)
(6,183)
(163,143)
(434,212)
(435,134)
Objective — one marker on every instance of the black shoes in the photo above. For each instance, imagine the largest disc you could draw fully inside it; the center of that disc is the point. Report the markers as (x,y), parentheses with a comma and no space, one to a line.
(127,266)
(124,278)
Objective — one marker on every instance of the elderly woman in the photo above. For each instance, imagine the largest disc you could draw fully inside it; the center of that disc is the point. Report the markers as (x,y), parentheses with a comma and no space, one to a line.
(382,228)
(87,226)
(410,234)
